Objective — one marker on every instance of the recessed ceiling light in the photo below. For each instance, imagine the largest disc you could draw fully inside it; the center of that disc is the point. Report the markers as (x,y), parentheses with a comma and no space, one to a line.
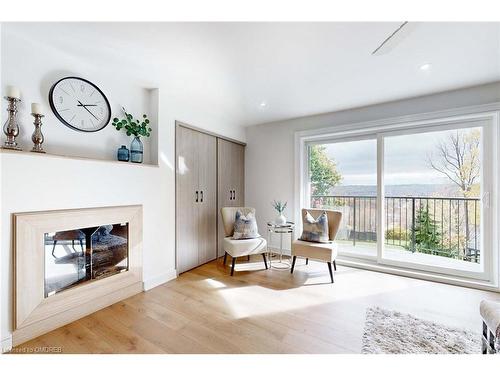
(425,66)
(263,104)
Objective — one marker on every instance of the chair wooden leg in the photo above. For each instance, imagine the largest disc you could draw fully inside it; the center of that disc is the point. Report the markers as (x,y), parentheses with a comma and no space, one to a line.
(293,263)
(248,258)
(307,261)
(484,341)
(233,263)
(491,341)
(334,265)
(265,261)
(330,270)
(54,248)
(225,258)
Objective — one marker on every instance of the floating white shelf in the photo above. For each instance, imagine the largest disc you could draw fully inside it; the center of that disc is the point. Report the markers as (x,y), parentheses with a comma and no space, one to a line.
(69,157)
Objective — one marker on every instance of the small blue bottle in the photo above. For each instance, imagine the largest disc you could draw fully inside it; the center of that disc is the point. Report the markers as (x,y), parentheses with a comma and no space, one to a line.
(123,153)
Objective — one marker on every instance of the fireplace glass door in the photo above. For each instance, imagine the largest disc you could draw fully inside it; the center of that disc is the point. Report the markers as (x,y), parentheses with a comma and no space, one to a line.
(73,257)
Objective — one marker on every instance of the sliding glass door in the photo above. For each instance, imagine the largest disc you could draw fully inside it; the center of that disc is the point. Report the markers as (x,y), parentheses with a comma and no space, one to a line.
(434,182)
(428,186)
(343,176)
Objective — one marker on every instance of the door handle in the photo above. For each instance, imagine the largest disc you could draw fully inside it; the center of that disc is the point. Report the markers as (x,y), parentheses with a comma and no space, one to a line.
(196,196)
(234,194)
(201,196)
(230,195)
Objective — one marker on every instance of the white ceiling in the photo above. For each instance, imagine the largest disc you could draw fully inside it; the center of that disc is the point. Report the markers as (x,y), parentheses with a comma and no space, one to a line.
(297,69)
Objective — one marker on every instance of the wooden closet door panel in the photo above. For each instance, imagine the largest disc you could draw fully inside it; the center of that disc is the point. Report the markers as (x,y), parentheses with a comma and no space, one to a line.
(224,186)
(239,174)
(207,208)
(226,166)
(231,189)
(186,207)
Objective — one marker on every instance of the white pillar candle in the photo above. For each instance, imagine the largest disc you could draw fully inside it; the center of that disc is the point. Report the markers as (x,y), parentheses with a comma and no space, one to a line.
(13,92)
(36,108)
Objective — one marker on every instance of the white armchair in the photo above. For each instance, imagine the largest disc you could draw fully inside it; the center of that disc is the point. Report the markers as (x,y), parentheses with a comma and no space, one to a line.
(326,252)
(239,248)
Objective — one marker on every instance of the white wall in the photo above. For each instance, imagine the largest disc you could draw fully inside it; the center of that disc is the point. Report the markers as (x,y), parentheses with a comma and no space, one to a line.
(33,182)
(49,65)
(270,150)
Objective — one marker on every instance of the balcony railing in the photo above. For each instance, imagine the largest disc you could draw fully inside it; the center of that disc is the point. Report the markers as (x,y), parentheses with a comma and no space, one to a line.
(447,227)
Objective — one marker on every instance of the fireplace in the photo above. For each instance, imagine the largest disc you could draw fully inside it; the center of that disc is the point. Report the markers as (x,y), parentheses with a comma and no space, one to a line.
(76,256)
(70,263)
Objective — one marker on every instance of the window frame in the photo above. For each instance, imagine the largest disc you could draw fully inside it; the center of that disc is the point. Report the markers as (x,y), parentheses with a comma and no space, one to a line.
(420,123)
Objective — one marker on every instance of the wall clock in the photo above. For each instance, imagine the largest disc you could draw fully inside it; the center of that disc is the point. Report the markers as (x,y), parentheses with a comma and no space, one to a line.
(79,104)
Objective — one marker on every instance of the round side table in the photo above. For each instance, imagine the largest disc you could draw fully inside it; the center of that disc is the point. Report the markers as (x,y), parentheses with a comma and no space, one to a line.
(280,229)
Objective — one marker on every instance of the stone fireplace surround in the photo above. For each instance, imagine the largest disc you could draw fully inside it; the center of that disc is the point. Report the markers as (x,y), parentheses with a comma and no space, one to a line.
(35,314)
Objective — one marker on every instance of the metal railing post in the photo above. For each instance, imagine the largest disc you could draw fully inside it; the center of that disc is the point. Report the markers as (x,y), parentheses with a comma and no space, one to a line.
(412,247)
(354,223)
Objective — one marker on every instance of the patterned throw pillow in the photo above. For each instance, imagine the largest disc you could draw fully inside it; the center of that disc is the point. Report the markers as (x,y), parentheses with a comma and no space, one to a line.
(315,230)
(245,227)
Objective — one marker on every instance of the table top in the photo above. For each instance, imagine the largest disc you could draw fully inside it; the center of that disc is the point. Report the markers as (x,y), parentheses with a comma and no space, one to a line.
(272,224)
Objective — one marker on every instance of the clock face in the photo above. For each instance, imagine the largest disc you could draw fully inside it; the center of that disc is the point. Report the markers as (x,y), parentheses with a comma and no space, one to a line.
(79,104)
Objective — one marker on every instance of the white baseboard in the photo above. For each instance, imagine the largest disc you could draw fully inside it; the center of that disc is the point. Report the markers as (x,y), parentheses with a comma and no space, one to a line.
(6,344)
(159,279)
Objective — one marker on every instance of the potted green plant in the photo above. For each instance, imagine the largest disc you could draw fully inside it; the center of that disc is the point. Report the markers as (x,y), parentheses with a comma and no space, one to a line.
(136,128)
(280,208)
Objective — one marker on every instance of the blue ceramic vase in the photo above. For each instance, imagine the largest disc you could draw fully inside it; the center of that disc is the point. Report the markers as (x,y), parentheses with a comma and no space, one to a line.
(136,150)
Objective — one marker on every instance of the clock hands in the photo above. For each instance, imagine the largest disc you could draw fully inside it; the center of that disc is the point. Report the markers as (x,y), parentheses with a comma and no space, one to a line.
(85,107)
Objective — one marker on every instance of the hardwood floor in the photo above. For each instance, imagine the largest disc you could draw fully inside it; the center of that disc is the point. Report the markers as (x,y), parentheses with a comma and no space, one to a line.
(257,311)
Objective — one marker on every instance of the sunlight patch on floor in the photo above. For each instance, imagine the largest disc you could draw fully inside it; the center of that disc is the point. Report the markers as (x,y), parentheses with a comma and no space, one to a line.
(215,283)
(256,300)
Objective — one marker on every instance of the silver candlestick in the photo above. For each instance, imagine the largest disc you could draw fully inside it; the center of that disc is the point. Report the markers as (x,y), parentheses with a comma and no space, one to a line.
(37,136)
(11,127)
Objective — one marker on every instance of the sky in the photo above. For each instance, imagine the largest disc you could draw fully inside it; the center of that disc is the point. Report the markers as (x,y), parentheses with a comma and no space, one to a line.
(405,160)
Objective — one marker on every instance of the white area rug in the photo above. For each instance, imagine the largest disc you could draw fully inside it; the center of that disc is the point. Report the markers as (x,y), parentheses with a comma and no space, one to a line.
(392,332)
